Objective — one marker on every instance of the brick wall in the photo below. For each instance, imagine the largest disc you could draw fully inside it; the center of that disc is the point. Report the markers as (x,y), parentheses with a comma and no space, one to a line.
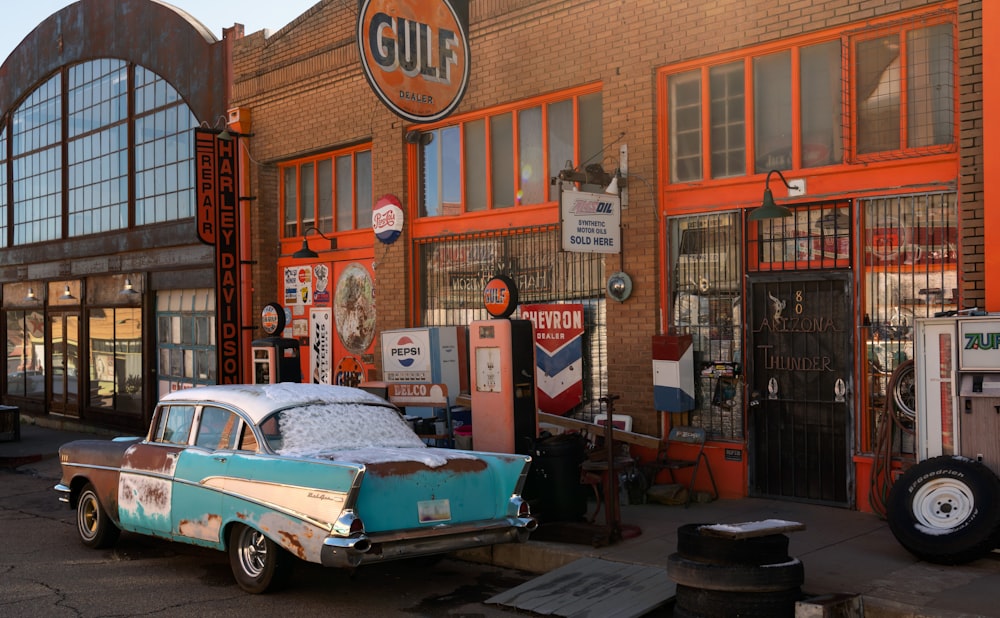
(305,87)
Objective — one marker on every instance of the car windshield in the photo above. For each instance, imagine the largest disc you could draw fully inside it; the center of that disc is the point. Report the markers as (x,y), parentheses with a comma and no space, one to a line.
(319,429)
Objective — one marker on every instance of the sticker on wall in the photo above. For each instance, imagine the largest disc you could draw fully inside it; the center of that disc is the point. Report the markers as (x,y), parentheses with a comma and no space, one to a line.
(354,307)
(320,346)
(349,372)
(298,285)
(387,219)
(321,294)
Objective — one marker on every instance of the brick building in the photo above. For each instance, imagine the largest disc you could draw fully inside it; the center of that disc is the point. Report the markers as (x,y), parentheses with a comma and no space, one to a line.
(872,113)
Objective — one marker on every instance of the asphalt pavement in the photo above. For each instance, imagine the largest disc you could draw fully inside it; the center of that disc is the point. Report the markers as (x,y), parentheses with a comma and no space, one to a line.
(843,551)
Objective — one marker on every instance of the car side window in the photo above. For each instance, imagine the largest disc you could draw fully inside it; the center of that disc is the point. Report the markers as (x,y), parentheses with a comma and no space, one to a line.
(175,424)
(217,428)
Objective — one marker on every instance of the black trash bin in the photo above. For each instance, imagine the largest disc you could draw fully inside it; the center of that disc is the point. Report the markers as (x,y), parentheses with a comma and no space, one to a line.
(553,486)
(10,423)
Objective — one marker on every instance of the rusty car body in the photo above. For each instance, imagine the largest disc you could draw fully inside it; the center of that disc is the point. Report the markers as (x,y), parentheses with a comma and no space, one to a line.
(327,474)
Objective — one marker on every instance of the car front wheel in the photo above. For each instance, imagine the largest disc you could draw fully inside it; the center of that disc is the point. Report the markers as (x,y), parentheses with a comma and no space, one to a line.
(259,564)
(96,529)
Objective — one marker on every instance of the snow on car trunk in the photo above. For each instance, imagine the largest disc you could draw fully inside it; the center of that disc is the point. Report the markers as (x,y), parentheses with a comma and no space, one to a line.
(426,486)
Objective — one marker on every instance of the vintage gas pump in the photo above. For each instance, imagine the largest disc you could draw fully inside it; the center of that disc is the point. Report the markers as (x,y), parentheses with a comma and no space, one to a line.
(946,507)
(502,367)
(275,358)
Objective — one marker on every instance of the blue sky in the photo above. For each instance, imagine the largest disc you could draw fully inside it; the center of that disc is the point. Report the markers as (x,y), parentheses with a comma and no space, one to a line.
(215,14)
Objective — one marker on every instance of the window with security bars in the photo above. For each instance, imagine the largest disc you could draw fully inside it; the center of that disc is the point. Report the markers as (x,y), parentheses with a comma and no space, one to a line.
(904,89)
(815,237)
(911,271)
(705,284)
(456,268)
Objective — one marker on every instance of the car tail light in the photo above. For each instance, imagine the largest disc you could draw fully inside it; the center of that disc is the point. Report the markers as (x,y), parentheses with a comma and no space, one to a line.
(357,526)
(523,509)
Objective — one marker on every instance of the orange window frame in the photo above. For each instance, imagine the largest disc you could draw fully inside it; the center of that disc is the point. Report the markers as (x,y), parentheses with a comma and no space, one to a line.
(944,13)
(314,160)
(543,213)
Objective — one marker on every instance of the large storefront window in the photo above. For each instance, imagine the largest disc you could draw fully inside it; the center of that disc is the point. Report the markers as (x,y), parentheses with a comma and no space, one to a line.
(706,286)
(185,339)
(331,192)
(911,261)
(455,269)
(26,353)
(116,358)
(499,160)
(92,141)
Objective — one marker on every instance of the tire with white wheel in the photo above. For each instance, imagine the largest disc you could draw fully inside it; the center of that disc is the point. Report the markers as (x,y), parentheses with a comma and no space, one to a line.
(258,563)
(946,510)
(904,391)
(96,529)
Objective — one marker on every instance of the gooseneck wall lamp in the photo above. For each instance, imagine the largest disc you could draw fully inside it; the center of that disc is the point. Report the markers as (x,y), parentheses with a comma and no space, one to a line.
(768,209)
(305,251)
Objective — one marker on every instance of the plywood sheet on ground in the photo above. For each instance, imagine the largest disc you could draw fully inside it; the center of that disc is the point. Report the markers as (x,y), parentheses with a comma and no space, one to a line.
(592,588)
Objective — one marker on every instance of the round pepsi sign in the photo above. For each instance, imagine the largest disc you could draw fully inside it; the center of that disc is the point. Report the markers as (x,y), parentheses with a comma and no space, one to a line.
(387,218)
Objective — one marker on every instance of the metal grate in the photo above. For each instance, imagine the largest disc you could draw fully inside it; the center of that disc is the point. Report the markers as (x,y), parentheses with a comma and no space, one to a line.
(455,269)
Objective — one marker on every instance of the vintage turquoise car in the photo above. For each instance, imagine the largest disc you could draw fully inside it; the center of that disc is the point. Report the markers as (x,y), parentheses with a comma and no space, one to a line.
(327,474)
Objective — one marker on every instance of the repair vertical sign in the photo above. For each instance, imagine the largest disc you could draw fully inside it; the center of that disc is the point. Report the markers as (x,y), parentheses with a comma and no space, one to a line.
(218,224)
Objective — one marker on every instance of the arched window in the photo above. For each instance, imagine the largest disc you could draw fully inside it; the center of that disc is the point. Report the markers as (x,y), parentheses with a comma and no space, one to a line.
(113,108)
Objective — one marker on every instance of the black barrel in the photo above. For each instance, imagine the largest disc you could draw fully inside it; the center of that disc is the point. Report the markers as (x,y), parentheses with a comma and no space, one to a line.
(553,486)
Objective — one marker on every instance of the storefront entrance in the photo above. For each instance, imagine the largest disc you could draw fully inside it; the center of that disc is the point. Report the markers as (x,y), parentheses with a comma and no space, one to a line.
(799,374)
(64,362)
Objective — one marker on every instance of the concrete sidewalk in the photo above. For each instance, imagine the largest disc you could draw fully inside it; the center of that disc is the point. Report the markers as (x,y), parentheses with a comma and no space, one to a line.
(842,551)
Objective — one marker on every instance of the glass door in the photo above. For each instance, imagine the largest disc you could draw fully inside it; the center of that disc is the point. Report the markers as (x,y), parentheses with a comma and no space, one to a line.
(64,362)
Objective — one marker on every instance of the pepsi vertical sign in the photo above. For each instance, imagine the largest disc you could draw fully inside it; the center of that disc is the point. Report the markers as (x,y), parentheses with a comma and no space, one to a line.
(406,356)
(218,220)
(415,54)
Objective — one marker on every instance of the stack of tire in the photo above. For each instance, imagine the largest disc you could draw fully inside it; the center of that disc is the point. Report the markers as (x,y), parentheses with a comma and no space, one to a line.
(718,576)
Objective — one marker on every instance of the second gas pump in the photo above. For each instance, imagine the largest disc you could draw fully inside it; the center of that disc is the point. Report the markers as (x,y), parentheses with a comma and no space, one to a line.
(502,370)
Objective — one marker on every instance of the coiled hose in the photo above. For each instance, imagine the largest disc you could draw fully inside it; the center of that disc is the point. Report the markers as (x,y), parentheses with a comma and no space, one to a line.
(890,419)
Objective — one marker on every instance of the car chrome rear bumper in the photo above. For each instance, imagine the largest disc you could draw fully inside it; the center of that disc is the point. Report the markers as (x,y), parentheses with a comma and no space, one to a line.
(365,549)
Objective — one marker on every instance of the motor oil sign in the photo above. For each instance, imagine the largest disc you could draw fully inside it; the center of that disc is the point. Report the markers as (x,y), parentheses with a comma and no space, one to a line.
(591,222)
(415,54)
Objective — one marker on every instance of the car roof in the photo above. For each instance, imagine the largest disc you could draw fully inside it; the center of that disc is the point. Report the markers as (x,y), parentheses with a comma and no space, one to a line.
(260,400)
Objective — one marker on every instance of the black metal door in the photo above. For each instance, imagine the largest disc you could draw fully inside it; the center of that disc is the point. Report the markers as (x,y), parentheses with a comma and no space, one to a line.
(800,377)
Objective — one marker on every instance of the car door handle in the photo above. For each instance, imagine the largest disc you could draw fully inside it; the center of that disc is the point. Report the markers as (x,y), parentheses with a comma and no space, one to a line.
(220,459)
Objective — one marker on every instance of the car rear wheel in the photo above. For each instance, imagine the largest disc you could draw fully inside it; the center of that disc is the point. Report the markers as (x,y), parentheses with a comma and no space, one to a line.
(259,564)
(96,529)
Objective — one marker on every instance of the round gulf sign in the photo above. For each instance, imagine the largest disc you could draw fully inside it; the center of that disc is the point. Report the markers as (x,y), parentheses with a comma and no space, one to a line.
(272,318)
(387,218)
(415,54)
(500,296)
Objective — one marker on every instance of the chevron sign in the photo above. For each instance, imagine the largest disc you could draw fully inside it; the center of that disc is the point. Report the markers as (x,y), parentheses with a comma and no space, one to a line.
(558,354)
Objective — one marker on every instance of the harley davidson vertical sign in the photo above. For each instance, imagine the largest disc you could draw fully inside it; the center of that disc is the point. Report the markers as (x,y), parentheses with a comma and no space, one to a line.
(415,54)
(218,224)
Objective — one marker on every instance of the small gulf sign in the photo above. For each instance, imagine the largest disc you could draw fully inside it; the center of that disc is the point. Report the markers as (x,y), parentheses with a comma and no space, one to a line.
(500,296)
(387,219)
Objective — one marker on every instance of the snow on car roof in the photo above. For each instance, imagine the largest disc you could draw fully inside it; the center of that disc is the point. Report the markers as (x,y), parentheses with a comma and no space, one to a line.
(259,400)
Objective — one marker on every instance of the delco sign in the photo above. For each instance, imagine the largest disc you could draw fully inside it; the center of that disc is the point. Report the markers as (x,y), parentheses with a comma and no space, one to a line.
(415,54)
(406,356)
